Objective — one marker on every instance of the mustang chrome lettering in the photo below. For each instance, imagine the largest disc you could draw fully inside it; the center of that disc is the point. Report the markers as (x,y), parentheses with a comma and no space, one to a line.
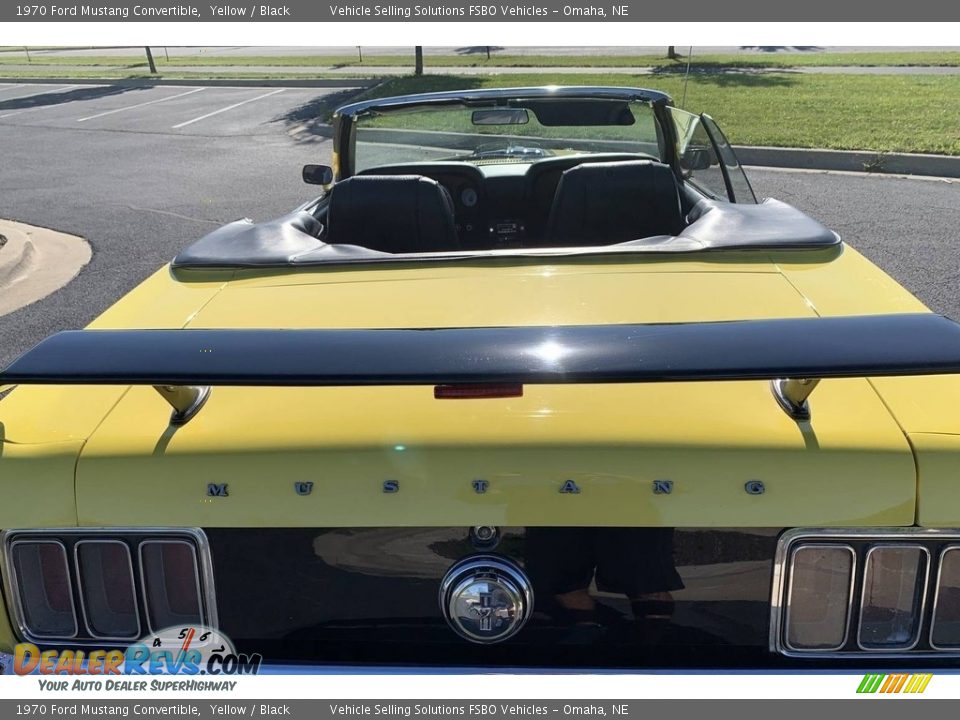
(480,486)
(662,487)
(217,490)
(754,487)
(303,488)
(570,487)
(391,486)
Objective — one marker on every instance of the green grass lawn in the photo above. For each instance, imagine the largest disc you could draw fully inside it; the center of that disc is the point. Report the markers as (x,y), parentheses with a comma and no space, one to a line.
(919,113)
(785,60)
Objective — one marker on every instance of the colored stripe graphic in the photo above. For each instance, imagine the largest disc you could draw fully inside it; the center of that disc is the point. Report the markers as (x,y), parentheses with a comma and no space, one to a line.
(894,683)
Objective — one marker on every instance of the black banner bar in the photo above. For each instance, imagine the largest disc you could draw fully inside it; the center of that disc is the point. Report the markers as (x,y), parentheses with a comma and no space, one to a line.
(216,708)
(479,11)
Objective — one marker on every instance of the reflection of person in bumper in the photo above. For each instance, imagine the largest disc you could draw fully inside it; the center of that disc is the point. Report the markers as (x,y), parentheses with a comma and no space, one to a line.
(636,562)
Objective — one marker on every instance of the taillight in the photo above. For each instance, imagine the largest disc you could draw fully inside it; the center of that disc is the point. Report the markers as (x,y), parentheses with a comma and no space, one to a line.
(946,603)
(104,586)
(894,584)
(171,583)
(867,592)
(818,602)
(41,582)
(107,589)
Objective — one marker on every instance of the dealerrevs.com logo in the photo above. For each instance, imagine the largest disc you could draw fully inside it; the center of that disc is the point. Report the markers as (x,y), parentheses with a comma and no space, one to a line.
(892,683)
(188,650)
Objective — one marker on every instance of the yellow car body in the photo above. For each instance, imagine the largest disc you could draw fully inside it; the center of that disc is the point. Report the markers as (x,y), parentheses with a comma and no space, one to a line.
(853,466)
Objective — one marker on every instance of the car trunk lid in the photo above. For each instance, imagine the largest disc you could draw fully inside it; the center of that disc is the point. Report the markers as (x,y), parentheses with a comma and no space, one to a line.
(671,454)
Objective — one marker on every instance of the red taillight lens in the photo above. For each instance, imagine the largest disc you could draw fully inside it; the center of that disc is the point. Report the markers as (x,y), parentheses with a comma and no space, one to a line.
(171,583)
(467,391)
(44,588)
(107,591)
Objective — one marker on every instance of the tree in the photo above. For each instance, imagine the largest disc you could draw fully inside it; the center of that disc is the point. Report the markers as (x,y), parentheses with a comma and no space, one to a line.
(672,52)
(153,67)
(418,54)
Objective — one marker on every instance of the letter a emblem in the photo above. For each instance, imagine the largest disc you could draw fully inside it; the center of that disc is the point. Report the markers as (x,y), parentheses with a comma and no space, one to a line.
(570,487)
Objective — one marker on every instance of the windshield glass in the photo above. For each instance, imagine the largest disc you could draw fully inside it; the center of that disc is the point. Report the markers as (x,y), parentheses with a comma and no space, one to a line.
(517,131)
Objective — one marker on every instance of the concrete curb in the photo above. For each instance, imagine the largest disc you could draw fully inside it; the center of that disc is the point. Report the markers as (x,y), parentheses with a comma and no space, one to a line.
(362,83)
(41,262)
(16,254)
(850,160)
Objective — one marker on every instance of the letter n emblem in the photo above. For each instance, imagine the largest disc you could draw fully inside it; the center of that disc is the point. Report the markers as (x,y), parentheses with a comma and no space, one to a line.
(662,487)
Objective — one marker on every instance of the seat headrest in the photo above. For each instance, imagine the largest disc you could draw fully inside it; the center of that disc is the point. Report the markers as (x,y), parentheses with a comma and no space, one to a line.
(392,213)
(614,202)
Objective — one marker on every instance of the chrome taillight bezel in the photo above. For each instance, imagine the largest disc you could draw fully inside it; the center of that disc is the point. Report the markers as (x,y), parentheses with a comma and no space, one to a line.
(850,588)
(934,543)
(84,614)
(936,601)
(143,581)
(924,593)
(132,538)
(12,589)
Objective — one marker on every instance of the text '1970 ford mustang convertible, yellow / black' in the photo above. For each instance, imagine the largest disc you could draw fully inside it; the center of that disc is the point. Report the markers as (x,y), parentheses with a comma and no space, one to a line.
(536,382)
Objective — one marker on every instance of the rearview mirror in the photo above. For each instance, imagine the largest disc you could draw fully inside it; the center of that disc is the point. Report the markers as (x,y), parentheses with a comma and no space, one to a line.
(696,158)
(500,116)
(317,174)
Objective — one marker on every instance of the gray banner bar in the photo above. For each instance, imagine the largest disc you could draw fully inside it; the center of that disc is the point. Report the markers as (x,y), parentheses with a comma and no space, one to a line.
(485,709)
(477,11)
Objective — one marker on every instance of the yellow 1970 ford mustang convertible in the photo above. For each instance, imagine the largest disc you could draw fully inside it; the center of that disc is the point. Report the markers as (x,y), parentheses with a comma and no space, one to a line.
(535,383)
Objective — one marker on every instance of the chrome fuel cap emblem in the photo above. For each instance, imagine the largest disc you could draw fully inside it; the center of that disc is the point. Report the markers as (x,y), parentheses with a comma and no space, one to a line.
(486,598)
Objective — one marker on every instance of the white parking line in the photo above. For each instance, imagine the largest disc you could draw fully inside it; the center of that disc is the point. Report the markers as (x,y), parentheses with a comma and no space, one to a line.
(39,107)
(223,110)
(139,105)
(14,87)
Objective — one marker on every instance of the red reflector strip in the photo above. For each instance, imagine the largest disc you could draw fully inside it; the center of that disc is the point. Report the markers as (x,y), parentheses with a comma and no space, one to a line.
(466,391)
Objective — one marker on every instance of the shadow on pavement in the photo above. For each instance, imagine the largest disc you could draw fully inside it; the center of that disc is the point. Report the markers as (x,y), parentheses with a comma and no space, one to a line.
(58,98)
(782,48)
(736,77)
(478,49)
(309,121)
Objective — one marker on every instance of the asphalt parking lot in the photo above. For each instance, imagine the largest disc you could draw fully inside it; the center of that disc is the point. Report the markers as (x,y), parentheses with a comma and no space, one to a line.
(141,171)
(163,109)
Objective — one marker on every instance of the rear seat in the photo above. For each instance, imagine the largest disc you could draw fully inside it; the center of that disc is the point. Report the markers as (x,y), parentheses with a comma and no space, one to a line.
(393,214)
(608,203)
